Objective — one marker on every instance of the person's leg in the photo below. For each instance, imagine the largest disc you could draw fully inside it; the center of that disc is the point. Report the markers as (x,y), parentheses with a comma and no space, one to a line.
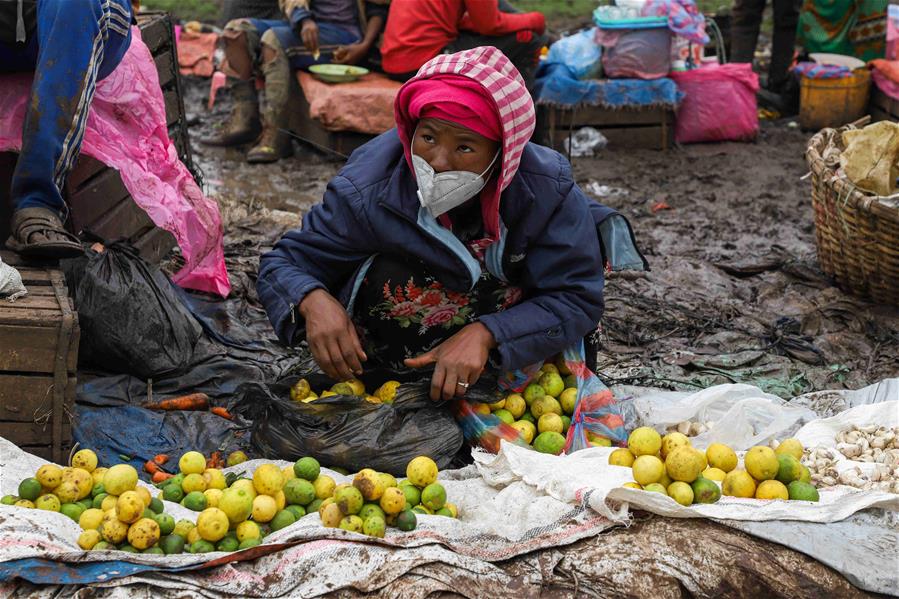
(522,48)
(786,18)
(745,24)
(78,42)
(243,48)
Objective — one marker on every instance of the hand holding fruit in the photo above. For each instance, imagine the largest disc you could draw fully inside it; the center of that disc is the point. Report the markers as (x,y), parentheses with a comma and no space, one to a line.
(331,336)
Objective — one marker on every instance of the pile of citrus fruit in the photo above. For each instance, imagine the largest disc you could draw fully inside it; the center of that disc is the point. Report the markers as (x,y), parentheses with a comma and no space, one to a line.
(235,512)
(670,465)
(376,500)
(302,392)
(542,412)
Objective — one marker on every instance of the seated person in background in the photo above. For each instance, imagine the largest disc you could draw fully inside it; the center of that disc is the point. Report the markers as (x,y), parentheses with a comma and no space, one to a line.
(70,45)
(313,32)
(418,30)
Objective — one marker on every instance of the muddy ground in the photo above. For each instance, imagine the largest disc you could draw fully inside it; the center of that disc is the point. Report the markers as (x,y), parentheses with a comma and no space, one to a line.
(734,295)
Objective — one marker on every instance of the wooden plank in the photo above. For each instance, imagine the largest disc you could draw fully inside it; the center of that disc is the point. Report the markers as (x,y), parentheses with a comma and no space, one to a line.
(96,198)
(153,245)
(21,395)
(85,168)
(35,301)
(28,348)
(155,30)
(7,167)
(593,116)
(165,65)
(172,107)
(32,433)
(125,220)
(647,138)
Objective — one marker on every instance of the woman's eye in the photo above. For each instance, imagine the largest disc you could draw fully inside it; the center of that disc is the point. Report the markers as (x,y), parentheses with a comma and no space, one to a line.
(427,138)
(465,149)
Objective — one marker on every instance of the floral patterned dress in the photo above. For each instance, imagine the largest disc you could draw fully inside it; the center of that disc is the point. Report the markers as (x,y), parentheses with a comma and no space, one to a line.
(402,310)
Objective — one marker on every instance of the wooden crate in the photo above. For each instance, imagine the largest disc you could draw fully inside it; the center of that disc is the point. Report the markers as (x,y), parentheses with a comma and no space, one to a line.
(649,128)
(311,131)
(38,359)
(882,107)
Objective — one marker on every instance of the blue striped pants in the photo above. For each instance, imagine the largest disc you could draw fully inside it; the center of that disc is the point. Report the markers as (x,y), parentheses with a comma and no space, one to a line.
(77,43)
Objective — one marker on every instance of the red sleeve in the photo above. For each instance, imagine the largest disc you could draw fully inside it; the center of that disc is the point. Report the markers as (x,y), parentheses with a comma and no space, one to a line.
(484,17)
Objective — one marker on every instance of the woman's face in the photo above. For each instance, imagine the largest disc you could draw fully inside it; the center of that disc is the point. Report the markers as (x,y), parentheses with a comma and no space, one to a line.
(449,147)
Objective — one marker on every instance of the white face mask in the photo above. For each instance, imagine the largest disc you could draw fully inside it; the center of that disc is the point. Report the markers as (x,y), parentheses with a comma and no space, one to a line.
(441,192)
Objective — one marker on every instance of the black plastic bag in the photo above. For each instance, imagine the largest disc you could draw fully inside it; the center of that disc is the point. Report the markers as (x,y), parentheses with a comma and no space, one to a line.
(348,431)
(132,320)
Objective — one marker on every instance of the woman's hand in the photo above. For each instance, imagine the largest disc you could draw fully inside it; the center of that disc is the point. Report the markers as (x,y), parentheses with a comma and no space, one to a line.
(459,359)
(350,54)
(331,336)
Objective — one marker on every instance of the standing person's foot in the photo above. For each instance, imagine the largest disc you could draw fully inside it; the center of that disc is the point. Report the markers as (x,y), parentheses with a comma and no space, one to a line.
(243,125)
(273,145)
(39,233)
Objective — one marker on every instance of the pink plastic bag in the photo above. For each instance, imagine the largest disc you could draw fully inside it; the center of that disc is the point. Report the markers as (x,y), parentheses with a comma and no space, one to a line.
(635,53)
(719,104)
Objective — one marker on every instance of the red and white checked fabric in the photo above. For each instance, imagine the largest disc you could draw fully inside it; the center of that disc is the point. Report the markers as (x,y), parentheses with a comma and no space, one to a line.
(490,68)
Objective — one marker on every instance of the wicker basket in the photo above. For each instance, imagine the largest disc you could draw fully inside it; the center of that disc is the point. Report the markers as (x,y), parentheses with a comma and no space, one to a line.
(857,234)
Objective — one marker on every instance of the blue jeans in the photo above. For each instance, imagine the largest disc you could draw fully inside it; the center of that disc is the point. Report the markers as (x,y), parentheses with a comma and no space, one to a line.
(77,43)
(328,35)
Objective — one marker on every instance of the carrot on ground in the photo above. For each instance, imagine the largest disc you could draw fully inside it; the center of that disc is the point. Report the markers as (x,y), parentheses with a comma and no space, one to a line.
(151,467)
(223,412)
(161,458)
(194,401)
(160,476)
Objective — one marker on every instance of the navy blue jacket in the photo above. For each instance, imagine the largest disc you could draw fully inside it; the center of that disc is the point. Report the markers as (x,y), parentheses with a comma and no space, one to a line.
(549,247)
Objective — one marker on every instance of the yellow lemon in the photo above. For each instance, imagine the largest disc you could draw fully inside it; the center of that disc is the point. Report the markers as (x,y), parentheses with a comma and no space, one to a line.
(567,399)
(212,524)
(648,469)
(85,459)
(644,441)
(215,479)
(245,485)
(264,508)
(421,471)
(288,473)
(681,492)
(268,479)
(120,478)
(632,485)
(738,483)
(213,496)
(129,506)
(98,474)
(516,405)
(721,456)
(324,486)
(714,474)
(144,495)
(192,462)
(247,530)
(761,462)
(790,446)
(683,464)
(280,500)
(193,482)
(526,429)
(550,422)
(90,519)
(672,441)
(772,489)
(357,386)
(109,502)
(49,475)
(237,504)
(144,533)
(622,457)
(89,538)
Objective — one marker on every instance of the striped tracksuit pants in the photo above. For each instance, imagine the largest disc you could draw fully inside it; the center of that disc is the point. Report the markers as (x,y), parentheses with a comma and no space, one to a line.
(76,44)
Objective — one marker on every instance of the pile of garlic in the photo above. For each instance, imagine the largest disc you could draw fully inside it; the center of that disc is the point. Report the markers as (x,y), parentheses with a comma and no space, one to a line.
(874,444)
(690,428)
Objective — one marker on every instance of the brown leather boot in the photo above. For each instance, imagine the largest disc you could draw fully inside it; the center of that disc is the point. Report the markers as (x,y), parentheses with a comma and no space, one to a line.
(273,146)
(243,124)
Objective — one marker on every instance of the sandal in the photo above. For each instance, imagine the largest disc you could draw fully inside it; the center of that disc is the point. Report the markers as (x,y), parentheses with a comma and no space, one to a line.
(39,233)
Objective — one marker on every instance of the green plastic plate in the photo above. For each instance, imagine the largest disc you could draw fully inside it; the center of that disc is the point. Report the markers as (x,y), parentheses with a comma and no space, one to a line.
(337,73)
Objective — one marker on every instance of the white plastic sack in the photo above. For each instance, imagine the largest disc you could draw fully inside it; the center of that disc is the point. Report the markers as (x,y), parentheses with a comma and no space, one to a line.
(578,52)
(11,286)
(742,415)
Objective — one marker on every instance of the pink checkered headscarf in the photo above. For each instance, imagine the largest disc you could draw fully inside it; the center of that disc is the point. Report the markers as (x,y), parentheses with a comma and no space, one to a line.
(503,84)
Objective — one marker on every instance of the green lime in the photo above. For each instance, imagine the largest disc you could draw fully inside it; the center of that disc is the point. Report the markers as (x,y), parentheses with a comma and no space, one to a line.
(98,500)
(103,546)
(166,523)
(172,544)
(433,496)
(299,491)
(29,489)
(371,509)
(87,503)
(802,491)
(98,489)
(420,509)
(173,493)
(283,519)
(202,546)
(154,550)
(549,442)
(504,415)
(72,510)
(228,544)
(444,512)
(307,468)
(374,526)
(566,424)
(313,507)
(128,548)
(246,544)
(148,513)
(529,417)
(9,499)
(298,511)
(413,495)
(156,505)
(406,520)
(176,480)
(195,501)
